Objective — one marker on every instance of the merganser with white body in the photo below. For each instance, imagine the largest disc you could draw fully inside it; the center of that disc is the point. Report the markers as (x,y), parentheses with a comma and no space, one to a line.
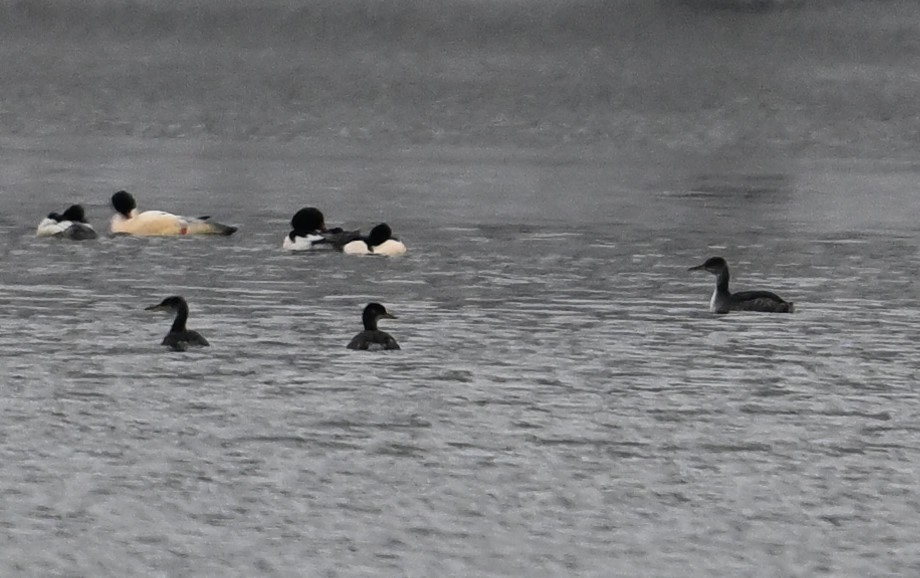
(379,242)
(724,300)
(179,337)
(309,232)
(69,225)
(372,338)
(128,221)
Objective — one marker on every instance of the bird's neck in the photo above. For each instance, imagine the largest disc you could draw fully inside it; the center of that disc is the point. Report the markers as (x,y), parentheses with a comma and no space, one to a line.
(370,323)
(722,281)
(181,318)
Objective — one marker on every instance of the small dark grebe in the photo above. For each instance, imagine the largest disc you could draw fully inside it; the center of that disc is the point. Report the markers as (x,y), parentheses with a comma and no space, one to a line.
(372,338)
(724,300)
(179,338)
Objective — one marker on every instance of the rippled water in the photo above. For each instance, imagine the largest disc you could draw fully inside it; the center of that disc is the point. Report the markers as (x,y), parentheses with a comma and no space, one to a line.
(564,404)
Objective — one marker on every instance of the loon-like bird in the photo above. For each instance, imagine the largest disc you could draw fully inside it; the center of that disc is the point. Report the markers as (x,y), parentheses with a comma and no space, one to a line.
(724,300)
(372,338)
(69,225)
(179,337)
(128,221)
(379,242)
(309,232)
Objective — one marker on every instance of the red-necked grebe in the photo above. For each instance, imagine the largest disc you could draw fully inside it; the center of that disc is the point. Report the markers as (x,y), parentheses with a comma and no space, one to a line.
(372,338)
(724,300)
(179,337)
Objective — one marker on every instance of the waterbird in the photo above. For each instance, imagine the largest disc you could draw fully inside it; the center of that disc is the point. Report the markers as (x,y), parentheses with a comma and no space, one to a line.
(379,242)
(179,337)
(128,221)
(71,224)
(724,300)
(372,338)
(309,232)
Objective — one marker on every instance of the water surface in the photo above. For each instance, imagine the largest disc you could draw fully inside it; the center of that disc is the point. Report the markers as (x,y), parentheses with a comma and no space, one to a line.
(564,403)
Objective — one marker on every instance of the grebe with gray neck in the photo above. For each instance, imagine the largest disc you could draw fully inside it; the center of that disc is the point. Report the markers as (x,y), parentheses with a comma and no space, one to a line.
(372,338)
(724,300)
(69,225)
(179,337)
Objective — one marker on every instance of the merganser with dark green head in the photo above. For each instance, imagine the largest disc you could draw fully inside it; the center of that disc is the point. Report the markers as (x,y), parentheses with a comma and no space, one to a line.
(379,242)
(71,224)
(128,221)
(309,232)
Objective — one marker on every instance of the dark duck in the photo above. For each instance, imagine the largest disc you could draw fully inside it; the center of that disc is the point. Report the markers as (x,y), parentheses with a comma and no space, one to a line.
(179,337)
(372,338)
(724,300)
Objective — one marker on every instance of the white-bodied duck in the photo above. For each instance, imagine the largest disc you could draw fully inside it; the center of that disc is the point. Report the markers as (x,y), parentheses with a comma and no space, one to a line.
(379,242)
(309,232)
(71,224)
(128,221)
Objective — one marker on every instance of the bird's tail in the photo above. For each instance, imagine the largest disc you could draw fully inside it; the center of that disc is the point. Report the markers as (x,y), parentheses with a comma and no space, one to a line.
(203,226)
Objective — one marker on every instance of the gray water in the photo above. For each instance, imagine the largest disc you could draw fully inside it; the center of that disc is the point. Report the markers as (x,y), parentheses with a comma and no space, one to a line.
(564,403)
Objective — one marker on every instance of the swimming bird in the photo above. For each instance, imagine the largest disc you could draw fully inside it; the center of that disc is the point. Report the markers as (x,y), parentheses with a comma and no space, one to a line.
(379,242)
(372,338)
(724,300)
(128,221)
(179,337)
(309,232)
(69,225)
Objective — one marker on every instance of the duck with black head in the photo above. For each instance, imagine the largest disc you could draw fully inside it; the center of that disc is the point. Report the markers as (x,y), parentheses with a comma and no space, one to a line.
(71,224)
(127,220)
(309,232)
(380,242)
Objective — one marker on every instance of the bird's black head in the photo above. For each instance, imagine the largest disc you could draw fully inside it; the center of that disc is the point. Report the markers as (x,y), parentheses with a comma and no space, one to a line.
(372,313)
(174,303)
(55,217)
(379,235)
(308,220)
(75,214)
(714,265)
(124,203)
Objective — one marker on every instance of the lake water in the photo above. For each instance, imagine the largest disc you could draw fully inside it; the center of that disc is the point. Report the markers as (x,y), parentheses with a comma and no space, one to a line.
(564,403)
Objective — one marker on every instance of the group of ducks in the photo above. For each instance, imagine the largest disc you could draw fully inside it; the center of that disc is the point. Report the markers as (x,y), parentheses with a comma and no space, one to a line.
(309,232)
(308,229)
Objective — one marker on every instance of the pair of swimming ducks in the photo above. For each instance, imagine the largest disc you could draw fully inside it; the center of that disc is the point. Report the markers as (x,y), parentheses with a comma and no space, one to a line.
(309,231)
(180,337)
